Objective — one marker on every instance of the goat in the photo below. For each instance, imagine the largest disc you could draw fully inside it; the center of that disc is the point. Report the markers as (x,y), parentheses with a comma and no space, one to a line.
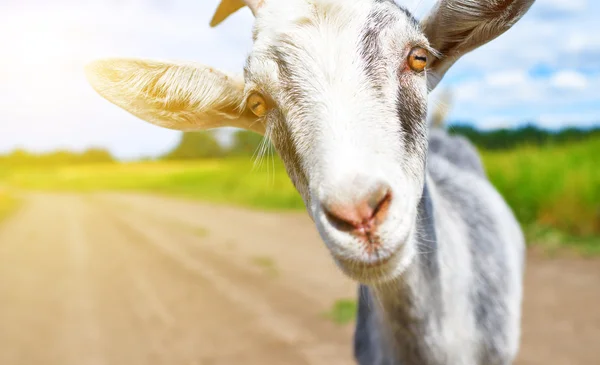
(341,89)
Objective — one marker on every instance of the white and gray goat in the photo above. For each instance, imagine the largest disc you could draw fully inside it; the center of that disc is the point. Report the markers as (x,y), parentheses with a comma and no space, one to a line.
(340,87)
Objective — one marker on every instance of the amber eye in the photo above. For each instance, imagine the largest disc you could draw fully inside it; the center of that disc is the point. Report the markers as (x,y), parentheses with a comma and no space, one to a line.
(258,104)
(417,59)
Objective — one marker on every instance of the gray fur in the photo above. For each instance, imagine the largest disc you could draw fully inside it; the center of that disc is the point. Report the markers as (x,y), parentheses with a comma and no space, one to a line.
(456,149)
(458,301)
(403,322)
(347,114)
(412,325)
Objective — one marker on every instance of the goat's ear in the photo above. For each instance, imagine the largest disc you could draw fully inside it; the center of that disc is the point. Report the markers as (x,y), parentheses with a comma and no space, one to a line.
(186,97)
(456,27)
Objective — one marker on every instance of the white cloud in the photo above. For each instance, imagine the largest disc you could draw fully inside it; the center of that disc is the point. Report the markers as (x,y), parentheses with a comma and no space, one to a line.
(578,42)
(512,97)
(546,65)
(563,5)
(45,100)
(569,80)
(46,103)
(509,78)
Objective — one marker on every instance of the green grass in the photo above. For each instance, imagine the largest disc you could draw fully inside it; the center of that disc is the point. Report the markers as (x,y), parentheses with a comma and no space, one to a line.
(553,241)
(343,311)
(556,187)
(267,264)
(233,181)
(551,188)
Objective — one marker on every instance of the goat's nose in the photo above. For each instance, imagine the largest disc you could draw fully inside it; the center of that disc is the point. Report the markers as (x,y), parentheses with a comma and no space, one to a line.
(362,215)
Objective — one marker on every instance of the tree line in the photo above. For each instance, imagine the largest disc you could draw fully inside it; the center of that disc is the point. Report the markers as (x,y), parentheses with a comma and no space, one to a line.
(199,145)
(21,157)
(195,145)
(502,139)
(205,145)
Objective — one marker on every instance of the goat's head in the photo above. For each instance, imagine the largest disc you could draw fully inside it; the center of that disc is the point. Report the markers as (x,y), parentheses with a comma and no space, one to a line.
(340,88)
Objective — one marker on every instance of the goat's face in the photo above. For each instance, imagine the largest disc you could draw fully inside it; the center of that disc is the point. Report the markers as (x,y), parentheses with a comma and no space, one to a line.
(340,88)
(344,95)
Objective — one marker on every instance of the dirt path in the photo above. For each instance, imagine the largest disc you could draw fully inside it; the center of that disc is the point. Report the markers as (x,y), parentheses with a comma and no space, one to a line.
(133,279)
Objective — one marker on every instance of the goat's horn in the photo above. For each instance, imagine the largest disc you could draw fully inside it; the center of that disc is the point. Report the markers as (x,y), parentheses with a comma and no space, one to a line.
(228,7)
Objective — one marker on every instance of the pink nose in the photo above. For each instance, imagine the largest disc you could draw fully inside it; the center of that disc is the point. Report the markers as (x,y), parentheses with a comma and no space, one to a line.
(363,215)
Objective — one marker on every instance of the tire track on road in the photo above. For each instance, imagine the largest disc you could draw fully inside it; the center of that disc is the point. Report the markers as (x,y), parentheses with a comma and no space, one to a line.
(289,238)
(147,241)
(48,311)
(82,329)
(279,311)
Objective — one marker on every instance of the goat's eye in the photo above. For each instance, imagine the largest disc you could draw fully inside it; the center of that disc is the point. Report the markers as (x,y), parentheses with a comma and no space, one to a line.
(417,59)
(258,104)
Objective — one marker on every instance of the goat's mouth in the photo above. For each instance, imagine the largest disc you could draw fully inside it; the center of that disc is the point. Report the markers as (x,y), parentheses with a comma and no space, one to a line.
(379,265)
(376,268)
(373,249)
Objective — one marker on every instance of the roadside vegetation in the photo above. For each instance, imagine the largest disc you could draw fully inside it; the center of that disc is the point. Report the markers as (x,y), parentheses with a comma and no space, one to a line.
(554,190)
(343,311)
(552,183)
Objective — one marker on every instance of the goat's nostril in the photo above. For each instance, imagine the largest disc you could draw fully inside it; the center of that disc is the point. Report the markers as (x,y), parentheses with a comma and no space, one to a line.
(363,215)
(381,211)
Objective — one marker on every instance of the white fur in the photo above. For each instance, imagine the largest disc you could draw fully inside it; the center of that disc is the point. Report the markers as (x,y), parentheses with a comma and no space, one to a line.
(342,130)
(345,117)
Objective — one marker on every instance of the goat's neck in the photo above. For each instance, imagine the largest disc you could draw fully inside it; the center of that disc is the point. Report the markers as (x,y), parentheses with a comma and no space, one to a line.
(410,307)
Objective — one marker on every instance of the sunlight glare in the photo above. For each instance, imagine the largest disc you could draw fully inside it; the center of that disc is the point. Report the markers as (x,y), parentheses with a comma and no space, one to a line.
(41,60)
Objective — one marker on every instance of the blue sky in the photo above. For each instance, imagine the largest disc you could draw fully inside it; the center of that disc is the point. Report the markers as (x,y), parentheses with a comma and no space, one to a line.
(546,69)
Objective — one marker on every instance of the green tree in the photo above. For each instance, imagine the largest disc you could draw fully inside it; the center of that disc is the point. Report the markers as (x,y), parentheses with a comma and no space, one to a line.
(55,158)
(528,134)
(195,145)
(246,143)
(96,155)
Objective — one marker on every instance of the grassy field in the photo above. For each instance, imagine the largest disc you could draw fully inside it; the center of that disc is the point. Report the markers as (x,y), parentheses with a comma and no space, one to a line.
(556,186)
(554,190)
(234,181)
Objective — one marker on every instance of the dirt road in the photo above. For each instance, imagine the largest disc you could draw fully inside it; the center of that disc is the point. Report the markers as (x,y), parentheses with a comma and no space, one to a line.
(131,279)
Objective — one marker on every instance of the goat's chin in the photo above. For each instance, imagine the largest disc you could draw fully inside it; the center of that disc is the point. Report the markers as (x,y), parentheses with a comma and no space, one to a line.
(386,262)
(379,270)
